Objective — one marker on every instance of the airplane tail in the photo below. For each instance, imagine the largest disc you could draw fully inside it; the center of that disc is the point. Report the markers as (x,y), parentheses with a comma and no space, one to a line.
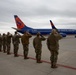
(19,23)
(53,26)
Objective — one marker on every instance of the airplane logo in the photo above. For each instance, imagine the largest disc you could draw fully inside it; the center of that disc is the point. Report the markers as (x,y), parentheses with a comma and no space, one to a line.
(19,23)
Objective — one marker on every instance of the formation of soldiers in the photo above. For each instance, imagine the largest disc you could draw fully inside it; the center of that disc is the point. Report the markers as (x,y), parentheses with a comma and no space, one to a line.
(52,44)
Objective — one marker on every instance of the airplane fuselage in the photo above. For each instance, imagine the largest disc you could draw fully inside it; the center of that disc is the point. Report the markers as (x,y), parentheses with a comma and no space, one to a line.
(48,31)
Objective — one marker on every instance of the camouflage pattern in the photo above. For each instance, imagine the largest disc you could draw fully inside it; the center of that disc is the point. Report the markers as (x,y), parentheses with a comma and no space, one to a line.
(0,43)
(4,42)
(25,43)
(8,41)
(37,44)
(16,41)
(53,46)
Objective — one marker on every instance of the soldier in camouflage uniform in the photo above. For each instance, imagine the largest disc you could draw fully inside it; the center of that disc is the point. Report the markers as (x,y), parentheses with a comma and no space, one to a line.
(4,42)
(53,46)
(16,41)
(8,42)
(25,43)
(0,43)
(37,44)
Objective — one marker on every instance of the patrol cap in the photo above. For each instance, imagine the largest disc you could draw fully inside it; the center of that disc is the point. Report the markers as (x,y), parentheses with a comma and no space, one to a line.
(8,32)
(38,33)
(54,31)
(15,32)
(3,33)
(25,32)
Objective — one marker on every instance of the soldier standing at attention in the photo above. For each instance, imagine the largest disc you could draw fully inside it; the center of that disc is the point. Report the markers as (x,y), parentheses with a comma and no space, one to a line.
(16,41)
(37,44)
(4,42)
(25,42)
(9,36)
(0,43)
(53,46)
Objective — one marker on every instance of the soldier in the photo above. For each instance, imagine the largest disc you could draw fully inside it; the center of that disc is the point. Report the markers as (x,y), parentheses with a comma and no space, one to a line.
(16,41)
(0,43)
(9,36)
(25,43)
(4,42)
(53,46)
(37,44)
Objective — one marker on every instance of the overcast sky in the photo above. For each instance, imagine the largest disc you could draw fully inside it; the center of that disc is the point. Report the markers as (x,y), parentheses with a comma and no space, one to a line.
(37,13)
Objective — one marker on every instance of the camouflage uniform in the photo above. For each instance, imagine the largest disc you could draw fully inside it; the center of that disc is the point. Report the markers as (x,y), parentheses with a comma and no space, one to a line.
(37,44)
(0,43)
(53,46)
(4,42)
(25,43)
(16,41)
(8,42)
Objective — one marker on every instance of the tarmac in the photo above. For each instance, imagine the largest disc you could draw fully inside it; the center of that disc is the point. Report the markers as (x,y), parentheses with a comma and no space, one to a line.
(10,65)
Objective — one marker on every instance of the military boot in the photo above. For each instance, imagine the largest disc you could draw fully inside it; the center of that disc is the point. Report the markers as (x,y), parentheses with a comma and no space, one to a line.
(25,57)
(8,53)
(0,50)
(39,61)
(54,65)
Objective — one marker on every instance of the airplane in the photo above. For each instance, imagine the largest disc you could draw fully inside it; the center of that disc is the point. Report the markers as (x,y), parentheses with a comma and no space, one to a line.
(22,28)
